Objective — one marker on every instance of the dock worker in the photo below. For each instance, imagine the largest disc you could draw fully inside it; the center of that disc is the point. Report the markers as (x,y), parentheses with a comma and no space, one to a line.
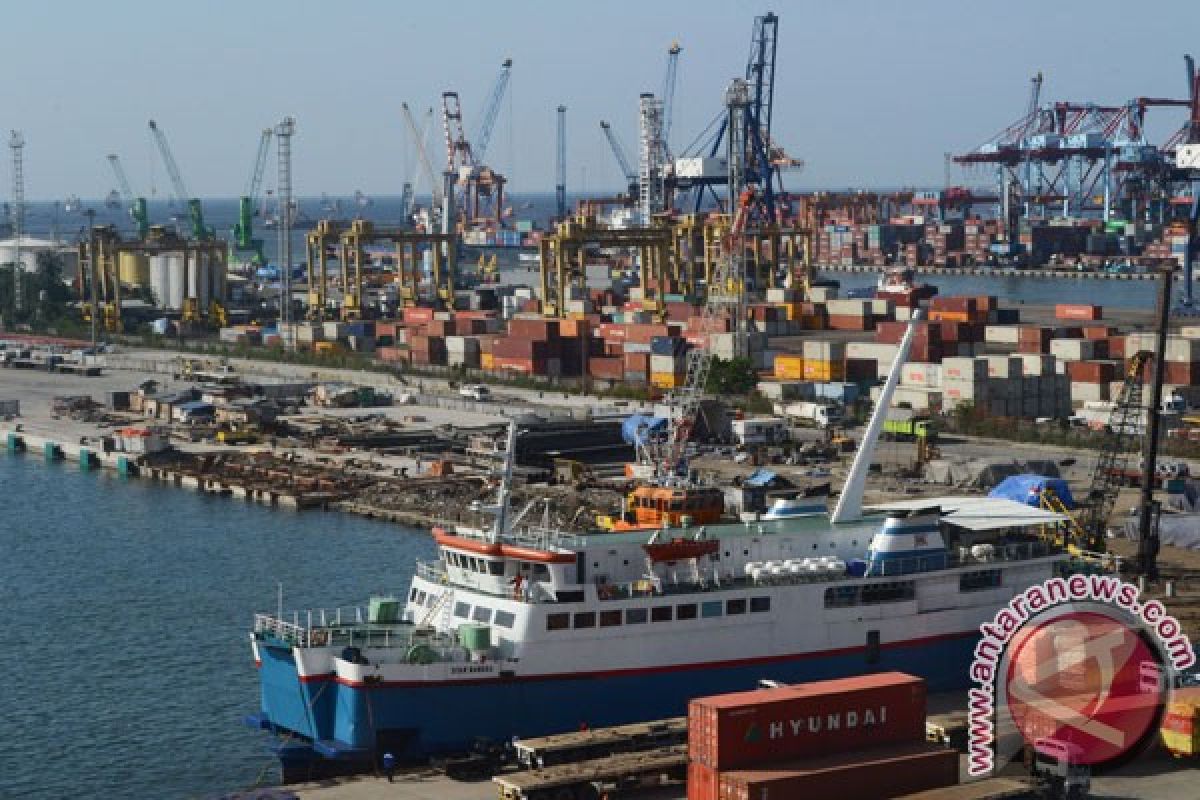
(389,765)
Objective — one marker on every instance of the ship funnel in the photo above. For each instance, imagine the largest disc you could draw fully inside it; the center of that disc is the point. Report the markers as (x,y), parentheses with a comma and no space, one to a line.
(849,505)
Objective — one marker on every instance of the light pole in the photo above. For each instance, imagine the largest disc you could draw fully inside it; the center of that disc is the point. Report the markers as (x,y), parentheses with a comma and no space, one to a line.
(91,251)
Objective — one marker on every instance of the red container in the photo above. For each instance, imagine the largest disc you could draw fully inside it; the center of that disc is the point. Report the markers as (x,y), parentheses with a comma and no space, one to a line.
(965,305)
(1116,347)
(607,368)
(1185,373)
(1098,332)
(532,328)
(637,362)
(703,783)
(893,332)
(871,775)
(642,334)
(849,322)
(1075,311)
(418,316)
(1091,371)
(511,347)
(812,719)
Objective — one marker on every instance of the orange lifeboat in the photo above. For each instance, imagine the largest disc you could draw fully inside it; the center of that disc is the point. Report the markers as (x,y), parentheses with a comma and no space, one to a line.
(681,549)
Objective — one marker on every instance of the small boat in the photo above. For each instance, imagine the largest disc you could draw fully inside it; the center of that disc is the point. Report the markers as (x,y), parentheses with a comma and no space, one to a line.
(681,549)
(899,284)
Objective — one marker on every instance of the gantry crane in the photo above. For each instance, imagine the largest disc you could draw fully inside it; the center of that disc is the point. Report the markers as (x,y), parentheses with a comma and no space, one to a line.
(199,230)
(135,205)
(248,204)
(627,170)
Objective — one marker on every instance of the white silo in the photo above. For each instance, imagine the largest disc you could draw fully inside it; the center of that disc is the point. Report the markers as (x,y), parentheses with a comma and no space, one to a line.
(160,281)
(176,281)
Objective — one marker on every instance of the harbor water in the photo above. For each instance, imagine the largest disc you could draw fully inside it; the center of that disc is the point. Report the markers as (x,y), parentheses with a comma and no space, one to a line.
(127,610)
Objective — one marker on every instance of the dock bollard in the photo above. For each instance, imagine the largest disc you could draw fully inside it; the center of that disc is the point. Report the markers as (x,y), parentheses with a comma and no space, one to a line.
(87,459)
(14,443)
(52,451)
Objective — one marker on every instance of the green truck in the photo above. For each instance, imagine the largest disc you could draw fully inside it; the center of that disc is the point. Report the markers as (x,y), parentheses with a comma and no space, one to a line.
(905,424)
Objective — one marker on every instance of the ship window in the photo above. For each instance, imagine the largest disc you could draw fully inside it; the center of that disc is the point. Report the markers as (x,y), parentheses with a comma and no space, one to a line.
(841,596)
(412,594)
(727,554)
(710,609)
(685,611)
(496,567)
(609,619)
(626,562)
(983,579)
(814,545)
(462,610)
(540,571)
(558,622)
(430,600)
(635,616)
(660,614)
(735,606)
(505,619)
(758,604)
(888,592)
(585,619)
(482,614)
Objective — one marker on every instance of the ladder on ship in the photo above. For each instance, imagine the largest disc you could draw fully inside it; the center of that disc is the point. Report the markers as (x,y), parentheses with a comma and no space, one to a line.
(442,604)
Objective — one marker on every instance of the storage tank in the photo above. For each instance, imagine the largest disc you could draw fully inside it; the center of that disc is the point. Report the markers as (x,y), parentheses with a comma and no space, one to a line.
(160,282)
(133,269)
(176,281)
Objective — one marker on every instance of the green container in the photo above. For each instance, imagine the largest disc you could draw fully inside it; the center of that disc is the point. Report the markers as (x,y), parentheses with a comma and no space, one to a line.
(475,638)
(383,610)
(52,451)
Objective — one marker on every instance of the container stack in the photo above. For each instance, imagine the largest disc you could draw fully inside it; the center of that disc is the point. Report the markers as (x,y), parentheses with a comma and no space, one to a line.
(853,738)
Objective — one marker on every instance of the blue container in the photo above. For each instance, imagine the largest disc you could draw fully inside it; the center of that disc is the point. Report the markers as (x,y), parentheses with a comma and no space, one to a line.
(856,568)
(666,346)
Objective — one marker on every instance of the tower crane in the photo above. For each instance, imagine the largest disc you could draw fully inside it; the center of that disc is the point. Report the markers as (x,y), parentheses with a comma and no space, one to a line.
(435,185)
(627,170)
(491,111)
(135,205)
(195,210)
(248,203)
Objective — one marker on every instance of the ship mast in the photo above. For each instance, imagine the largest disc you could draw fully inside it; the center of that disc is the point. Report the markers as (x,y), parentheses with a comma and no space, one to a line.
(504,494)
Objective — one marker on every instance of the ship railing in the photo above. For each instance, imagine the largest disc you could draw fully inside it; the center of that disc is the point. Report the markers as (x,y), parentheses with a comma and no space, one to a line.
(349,628)
(545,538)
(433,571)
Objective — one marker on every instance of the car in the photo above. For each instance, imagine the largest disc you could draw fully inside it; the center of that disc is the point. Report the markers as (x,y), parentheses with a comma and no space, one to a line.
(476,392)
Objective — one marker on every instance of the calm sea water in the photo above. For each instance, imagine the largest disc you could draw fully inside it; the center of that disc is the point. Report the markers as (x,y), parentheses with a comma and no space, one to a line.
(126,610)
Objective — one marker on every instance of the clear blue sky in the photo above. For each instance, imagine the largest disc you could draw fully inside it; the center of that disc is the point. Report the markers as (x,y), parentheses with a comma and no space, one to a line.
(868,93)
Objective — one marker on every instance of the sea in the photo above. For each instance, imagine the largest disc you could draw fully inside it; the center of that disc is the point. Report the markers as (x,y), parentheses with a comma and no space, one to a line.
(127,611)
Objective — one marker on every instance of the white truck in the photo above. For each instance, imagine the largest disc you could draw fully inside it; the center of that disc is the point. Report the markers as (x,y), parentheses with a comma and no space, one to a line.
(1098,415)
(820,415)
(760,430)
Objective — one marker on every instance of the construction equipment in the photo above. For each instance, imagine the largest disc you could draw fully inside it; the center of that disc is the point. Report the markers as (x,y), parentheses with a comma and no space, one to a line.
(1124,426)
(1148,507)
(199,230)
(627,170)
(560,164)
(136,205)
(248,204)
(418,137)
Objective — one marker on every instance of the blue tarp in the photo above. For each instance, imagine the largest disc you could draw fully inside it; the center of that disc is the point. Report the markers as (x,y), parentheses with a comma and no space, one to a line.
(639,428)
(760,477)
(1027,489)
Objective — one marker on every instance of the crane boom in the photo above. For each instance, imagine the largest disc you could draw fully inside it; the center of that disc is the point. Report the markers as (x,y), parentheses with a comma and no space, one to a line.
(491,111)
(619,153)
(422,156)
(164,149)
(668,95)
(122,180)
(260,164)
(723,291)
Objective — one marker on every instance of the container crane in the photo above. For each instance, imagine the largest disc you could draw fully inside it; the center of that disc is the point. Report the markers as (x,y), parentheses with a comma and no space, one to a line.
(668,96)
(491,111)
(200,231)
(248,204)
(136,205)
(627,170)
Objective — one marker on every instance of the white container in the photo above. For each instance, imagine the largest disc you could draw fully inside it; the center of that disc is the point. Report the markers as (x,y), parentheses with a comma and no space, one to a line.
(965,391)
(921,375)
(964,369)
(1088,392)
(849,308)
(1037,365)
(1003,366)
(871,351)
(918,399)
(824,351)
(1073,349)
(1183,349)
(1002,334)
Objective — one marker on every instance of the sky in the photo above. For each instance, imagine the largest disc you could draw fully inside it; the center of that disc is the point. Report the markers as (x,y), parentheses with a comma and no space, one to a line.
(870,93)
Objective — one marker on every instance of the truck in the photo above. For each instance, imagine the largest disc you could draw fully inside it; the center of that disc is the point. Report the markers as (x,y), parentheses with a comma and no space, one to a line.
(760,430)
(475,391)
(906,424)
(1055,763)
(820,415)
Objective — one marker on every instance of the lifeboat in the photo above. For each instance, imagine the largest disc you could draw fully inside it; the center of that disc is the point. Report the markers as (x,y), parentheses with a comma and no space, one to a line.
(681,549)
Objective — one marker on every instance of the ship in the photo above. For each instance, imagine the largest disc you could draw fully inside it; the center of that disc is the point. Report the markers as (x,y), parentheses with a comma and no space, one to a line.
(899,284)
(519,630)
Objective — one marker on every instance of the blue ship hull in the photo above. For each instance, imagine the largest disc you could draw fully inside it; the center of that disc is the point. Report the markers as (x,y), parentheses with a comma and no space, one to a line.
(349,723)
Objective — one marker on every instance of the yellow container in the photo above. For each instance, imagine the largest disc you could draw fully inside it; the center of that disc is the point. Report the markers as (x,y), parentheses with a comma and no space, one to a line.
(789,368)
(487,361)
(324,348)
(133,269)
(666,380)
(815,370)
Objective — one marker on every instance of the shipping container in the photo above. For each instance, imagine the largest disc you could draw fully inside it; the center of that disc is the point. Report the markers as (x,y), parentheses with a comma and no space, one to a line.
(789,367)
(767,725)
(874,774)
(1073,311)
